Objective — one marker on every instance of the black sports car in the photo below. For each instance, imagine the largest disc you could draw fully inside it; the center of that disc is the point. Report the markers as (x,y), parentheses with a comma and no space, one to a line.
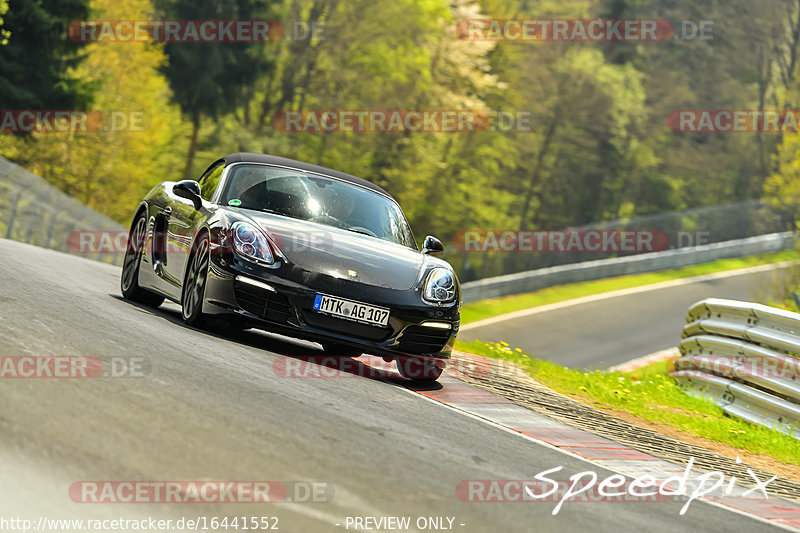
(301,250)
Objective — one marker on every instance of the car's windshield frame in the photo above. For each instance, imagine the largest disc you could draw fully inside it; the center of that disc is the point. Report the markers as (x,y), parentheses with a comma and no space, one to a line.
(225,182)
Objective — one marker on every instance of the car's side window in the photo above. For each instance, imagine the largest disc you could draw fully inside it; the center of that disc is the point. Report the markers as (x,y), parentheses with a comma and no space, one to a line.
(210,180)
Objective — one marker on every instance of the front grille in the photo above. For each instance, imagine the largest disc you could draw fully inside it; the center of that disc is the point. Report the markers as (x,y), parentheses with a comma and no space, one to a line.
(266,304)
(419,339)
(346,327)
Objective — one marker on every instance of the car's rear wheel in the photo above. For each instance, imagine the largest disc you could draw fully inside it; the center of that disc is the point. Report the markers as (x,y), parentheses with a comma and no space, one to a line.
(339,350)
(129,282)
(419,369)
(194,286)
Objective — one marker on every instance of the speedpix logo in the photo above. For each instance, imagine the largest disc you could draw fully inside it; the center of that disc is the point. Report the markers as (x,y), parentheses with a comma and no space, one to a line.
(589,487)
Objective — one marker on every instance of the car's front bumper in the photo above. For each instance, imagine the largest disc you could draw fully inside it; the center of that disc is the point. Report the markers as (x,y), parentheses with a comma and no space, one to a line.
(281,300)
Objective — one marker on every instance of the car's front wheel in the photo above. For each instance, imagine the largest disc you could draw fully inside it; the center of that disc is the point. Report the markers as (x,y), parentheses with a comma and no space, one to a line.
(194,285)
(419,369)
(129,282)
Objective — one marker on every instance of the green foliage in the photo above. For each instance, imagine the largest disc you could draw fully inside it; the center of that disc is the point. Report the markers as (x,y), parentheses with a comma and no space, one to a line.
(649,394)
(4,33)
(598,146)
(211,79)
(111,170)
(38,59)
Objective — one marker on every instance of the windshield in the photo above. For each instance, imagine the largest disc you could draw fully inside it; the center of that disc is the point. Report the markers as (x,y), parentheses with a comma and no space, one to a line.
(295,194)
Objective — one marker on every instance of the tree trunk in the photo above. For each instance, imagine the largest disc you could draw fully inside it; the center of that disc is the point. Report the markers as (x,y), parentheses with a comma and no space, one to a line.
(534,180)
(764,75)
(188,171)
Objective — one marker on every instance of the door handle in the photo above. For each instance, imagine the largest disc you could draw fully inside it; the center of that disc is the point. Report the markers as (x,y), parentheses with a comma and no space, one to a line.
(167,211)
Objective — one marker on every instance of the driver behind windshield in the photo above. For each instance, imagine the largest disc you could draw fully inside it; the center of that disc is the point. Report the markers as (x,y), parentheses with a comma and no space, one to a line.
(321,200)
(340,206)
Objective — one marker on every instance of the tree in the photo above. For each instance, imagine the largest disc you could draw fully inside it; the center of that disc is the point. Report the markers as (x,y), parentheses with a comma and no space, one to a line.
(112,168)
(211,79)
(4,33)
(38,58)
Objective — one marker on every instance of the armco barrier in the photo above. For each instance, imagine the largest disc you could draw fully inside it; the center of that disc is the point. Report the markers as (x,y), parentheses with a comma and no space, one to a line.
(743,356)
(607,268)
(35,212)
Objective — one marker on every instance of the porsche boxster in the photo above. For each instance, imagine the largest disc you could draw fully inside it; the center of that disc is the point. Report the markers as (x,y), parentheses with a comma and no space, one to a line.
(300,250)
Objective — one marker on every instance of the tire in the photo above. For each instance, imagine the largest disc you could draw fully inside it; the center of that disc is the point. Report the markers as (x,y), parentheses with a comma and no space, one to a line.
(129,281)
(194,285)
(339,350)
(418,369)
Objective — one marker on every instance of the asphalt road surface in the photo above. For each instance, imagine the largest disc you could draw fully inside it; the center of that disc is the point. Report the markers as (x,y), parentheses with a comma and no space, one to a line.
(212,408)
(610,331)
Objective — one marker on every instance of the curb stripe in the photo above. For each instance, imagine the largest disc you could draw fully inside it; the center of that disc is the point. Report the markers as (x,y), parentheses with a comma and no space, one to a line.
(603,452)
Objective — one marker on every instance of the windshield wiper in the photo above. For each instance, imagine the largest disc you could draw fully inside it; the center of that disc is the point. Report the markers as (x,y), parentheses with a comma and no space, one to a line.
(362,232)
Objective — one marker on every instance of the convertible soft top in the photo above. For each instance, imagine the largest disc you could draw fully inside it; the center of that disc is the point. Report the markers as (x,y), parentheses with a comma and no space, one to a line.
(248,157)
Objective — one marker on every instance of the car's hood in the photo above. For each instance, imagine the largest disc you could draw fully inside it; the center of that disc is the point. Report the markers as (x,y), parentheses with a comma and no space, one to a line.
(339,253)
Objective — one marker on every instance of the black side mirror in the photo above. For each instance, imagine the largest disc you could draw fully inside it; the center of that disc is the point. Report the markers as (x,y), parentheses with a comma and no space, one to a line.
(190,190)
(432,246)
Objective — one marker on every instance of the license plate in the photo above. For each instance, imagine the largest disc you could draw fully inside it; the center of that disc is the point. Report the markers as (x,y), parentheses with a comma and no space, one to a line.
(350,310)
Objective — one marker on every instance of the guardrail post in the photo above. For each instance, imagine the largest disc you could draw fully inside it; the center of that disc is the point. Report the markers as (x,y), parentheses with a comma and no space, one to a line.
(13,214)
(52,224)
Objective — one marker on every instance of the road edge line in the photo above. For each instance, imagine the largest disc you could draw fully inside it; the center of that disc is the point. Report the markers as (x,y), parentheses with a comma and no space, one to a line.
(623,292)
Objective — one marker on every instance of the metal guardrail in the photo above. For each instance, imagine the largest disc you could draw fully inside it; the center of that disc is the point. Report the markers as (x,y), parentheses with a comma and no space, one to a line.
(35,212)
(684,229)
(608,268)
(744,357)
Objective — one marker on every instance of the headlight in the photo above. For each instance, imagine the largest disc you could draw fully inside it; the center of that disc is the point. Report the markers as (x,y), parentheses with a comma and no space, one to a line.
(250,242)
(440,286)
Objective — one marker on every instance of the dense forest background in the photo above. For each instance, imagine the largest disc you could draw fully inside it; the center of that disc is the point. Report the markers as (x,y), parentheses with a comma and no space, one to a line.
(598,147)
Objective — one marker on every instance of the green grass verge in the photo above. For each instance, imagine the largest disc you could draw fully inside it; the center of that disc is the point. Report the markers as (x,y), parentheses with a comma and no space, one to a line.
(650,394)
(475,311)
